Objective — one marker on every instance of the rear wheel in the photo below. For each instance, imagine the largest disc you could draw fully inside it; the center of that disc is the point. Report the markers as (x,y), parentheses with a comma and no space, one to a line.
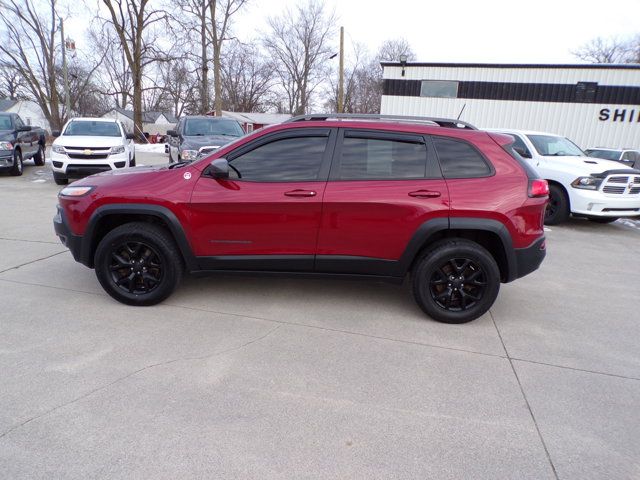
(18,166)
(557,210)
(60,179)
(456,281)
(138,264)
(38,158)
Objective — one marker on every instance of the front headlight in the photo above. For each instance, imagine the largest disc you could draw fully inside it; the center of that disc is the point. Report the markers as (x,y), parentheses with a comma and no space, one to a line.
(58,149)
(117,149)
(587,183)
(6,146)
(75,191)
(189,154)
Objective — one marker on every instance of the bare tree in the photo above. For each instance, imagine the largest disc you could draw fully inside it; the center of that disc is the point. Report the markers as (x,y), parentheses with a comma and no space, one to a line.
(221,12)
(136,24)
(299,43)
(391,50)
(12,84)
(28,46)
(608,50)
(247,79)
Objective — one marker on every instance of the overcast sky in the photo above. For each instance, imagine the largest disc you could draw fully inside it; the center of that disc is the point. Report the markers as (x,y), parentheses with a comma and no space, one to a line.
(513,31)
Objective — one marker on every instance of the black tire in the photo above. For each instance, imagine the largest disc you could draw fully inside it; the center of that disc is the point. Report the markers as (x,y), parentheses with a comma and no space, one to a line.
(455,281)
(18,165)
(150,264)
(170,156)
(132,162)
(60,179)
(603,219)
(557,210)
(38,158)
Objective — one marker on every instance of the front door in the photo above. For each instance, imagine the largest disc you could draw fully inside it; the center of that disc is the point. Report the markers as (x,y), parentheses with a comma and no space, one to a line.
(266,215)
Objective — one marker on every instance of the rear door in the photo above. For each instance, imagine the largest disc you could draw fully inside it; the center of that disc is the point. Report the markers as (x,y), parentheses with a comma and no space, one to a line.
(382,187)
(266,215)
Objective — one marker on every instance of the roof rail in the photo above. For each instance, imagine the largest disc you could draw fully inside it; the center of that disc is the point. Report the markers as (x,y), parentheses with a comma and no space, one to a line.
(442,122)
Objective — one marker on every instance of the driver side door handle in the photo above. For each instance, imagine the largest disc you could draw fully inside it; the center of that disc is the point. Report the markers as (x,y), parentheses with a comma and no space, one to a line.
(300,193)
(424,194)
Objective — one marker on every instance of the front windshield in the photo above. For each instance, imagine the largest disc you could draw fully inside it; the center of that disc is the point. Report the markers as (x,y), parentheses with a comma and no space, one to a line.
(211,126)
(88,128)
(605,154)
(550,145)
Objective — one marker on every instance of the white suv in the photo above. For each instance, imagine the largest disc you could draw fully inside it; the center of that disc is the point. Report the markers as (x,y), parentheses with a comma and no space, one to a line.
(90,145)
(600,190)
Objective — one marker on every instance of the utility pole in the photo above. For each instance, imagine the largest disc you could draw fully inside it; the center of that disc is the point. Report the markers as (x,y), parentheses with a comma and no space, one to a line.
(341,74)
(64,71)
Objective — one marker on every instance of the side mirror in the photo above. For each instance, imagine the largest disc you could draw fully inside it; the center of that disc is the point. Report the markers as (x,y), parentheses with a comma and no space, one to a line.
(55,133)
(219,168)
(129,136)
(522,152)
(172,133)
(24,128)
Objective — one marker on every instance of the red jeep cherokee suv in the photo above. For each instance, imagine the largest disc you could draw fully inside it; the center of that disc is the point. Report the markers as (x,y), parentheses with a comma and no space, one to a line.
(337,195)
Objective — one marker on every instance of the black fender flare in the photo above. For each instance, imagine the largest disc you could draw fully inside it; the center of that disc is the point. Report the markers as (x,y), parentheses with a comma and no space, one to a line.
(160,212)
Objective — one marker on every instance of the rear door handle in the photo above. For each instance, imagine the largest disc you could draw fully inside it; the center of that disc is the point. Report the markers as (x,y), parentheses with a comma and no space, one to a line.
(424,194)
(300,193)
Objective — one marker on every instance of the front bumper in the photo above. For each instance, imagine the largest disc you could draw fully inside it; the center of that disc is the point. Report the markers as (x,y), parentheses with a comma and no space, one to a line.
(66,236)
(77,167)
(598,204)
(6,159)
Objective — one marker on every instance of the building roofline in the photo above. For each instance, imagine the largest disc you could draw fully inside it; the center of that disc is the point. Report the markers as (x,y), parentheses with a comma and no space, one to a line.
(583,66)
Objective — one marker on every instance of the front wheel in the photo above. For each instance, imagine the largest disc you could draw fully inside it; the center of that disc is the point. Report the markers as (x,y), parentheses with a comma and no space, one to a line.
(138,264)
(456,281)
(132,162)
(557,210)
(18,167)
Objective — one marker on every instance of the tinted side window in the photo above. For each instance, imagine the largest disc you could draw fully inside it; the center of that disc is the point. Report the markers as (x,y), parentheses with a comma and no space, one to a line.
(459,159)
(285,160)
(370,158)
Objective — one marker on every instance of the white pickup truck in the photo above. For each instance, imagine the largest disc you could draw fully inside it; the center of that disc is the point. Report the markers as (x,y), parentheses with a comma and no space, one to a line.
(90,145)
(600,190)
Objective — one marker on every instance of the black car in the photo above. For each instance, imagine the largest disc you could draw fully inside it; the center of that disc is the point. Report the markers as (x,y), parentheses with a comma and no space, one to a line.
(196,136)
(19,142)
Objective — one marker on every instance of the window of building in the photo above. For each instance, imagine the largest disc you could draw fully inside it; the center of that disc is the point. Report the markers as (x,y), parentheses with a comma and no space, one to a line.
(285,160)
(459,159)
(439,88)
(372,158)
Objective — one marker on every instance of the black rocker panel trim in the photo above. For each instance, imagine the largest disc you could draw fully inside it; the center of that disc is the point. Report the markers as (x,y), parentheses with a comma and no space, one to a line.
(259,263)
(162,213)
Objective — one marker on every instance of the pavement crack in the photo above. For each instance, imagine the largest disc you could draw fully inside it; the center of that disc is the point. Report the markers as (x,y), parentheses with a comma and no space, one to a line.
(584,370)
(135,372)
(33,261)
(526,400)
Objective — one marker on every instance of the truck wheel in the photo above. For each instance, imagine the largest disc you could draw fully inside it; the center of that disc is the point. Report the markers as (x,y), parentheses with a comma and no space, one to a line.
(18,166)
(456,281)
(132,162)
(38,158)
(60,179)
(557,210)
(138,264)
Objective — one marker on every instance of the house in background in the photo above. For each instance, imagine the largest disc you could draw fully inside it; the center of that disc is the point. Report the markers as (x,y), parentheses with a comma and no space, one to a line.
(152,122)
(28,110)
(254,121)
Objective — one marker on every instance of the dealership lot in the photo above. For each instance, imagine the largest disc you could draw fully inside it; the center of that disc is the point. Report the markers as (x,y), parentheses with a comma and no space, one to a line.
(265,378)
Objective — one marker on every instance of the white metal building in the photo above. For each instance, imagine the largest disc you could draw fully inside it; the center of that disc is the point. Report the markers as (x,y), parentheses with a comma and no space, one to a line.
(593,105)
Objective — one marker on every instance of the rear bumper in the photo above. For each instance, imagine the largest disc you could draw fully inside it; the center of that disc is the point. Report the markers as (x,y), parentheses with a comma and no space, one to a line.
(529,259)
(66,236)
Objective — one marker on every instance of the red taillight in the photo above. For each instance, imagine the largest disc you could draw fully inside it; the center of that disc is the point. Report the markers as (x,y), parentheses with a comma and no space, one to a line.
(538,188)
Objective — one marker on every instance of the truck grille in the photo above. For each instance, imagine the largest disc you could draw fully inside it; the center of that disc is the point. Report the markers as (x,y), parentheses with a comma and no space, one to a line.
(622,185)
(88,153)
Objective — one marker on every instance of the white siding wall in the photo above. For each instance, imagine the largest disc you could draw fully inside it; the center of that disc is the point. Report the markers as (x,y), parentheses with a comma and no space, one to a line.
(578,121)
(31,113)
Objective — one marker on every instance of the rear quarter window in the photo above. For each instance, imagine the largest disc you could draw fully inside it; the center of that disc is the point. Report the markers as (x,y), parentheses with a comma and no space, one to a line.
(459,159)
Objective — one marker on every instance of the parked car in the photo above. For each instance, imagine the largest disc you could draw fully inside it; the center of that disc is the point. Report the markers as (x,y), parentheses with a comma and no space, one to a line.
(626,156)
(19,142)
(600,190)
(319,195)
(90,145)
(196,136)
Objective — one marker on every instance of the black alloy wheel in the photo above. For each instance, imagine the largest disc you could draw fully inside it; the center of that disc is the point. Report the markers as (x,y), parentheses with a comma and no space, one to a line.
(455,281)
(136,268)
(458,284)
(557,209)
